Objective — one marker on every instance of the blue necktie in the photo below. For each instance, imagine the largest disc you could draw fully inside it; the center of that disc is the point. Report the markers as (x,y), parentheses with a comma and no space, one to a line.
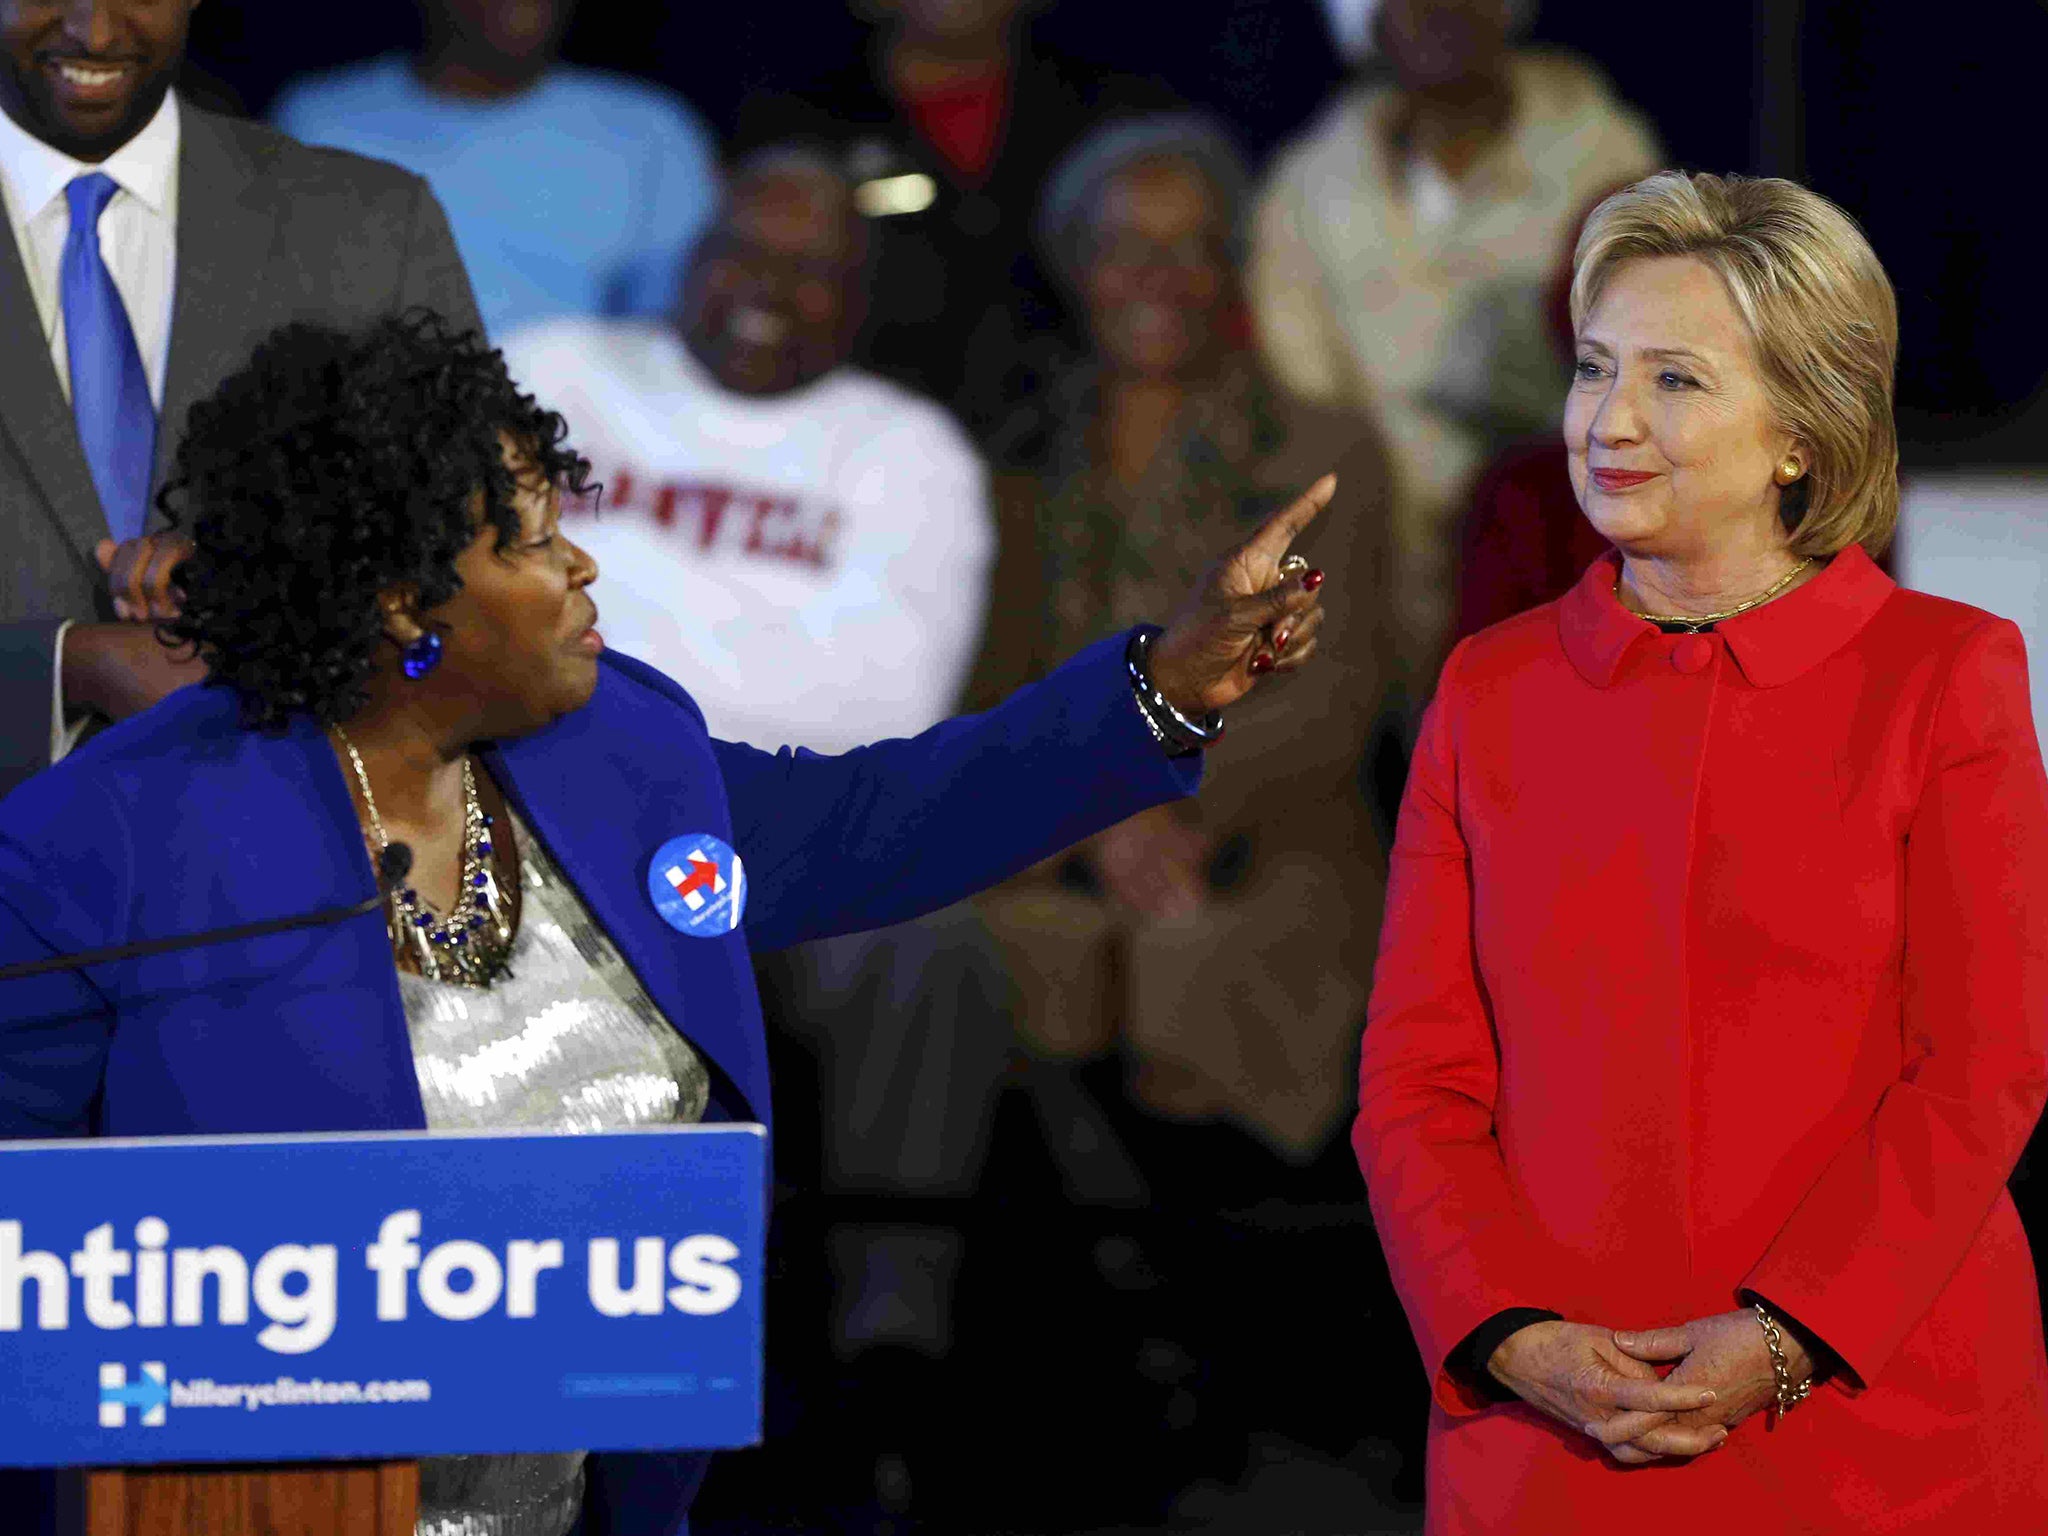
(109,391)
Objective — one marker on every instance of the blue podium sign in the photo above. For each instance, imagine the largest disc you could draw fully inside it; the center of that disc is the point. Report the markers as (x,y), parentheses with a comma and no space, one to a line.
(312,1297)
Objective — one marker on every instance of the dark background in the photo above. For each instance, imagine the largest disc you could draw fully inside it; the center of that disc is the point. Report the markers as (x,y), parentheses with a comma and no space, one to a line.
(1923,121)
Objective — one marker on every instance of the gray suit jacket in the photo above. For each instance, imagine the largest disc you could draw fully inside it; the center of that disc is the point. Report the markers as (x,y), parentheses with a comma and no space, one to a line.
(269,231)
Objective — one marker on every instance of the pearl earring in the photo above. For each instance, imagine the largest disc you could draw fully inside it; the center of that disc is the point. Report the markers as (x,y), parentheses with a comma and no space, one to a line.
(1788,471)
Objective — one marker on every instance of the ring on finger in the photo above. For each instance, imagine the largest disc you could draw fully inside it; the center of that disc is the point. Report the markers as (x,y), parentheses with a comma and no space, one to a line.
(1293,565)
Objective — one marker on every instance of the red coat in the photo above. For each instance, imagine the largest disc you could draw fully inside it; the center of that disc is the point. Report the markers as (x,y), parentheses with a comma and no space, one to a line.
(1721,962)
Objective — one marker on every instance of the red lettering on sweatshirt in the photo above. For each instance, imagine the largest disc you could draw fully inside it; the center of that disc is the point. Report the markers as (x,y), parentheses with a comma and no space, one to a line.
(728,520)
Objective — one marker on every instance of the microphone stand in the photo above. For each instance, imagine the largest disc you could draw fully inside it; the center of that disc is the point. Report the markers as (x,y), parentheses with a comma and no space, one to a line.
(394,863)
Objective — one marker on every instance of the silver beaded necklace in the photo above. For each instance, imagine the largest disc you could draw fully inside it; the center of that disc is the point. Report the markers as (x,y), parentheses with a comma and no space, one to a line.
(472,944)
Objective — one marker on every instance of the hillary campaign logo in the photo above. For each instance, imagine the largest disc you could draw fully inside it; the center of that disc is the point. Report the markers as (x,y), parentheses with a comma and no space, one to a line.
(698,885)
(152,1394)
(703,873)
(157,1391)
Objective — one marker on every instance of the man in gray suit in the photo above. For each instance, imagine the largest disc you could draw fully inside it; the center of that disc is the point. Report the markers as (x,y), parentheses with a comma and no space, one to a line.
(211,233)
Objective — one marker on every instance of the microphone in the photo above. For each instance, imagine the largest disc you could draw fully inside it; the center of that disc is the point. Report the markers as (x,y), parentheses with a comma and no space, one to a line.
(394,863)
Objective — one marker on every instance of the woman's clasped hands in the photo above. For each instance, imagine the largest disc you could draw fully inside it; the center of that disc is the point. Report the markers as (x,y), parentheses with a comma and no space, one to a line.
(1604,1382)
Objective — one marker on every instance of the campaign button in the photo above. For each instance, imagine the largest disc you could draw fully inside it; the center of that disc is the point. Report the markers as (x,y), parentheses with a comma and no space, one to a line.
(698,885)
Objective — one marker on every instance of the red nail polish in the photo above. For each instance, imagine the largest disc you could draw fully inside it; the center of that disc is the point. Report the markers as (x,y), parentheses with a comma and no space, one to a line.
(1280,639)
(1311,581)
(1261,664)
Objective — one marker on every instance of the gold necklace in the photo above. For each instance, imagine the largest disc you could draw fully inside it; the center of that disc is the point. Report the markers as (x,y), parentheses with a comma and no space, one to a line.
(1693,623)
(472,944)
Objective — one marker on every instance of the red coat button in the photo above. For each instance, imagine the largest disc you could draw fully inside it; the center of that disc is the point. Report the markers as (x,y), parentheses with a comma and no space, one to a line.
(1692,653)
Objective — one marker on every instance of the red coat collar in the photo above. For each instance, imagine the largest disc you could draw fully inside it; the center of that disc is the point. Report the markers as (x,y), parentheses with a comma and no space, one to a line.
(1772,644)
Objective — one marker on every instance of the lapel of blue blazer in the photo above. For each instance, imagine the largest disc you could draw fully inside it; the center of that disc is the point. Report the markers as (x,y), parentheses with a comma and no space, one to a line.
(604,788)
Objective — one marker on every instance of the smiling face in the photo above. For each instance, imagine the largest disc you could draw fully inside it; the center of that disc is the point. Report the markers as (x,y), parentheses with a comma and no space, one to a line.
(85,76)
(773,296)
(520,642)
(1157,273)
(1675,452)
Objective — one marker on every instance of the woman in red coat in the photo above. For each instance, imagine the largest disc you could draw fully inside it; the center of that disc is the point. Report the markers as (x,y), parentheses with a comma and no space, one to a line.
(1713,992)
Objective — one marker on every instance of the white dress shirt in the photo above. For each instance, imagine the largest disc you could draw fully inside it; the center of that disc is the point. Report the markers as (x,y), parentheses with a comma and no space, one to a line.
(139,244)
(138,231)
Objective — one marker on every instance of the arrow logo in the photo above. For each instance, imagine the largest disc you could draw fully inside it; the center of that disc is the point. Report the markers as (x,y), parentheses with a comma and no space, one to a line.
(703,876)
(152,1394)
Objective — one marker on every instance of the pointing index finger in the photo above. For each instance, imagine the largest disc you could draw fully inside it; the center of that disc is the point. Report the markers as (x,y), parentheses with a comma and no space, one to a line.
(1285,526)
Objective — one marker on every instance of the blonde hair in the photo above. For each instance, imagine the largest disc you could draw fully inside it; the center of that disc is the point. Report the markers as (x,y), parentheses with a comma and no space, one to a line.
(1822,321)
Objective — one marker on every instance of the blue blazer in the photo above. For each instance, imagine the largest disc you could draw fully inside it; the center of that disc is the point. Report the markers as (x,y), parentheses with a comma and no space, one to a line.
(181,820)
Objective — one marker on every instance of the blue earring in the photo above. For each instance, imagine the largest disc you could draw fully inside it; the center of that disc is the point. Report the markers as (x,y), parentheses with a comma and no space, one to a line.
(422,656)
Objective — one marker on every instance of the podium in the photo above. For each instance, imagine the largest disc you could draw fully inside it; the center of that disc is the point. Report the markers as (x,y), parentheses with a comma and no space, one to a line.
(262,1336)
(346,1499)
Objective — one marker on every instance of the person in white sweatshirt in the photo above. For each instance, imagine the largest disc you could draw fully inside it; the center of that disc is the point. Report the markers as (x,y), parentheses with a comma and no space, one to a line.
(804,546)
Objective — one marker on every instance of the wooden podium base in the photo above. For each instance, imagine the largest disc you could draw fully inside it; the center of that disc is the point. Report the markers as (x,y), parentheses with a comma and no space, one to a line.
(348,1498)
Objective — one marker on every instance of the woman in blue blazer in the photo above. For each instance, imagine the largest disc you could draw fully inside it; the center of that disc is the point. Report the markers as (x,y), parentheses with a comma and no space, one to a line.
(402,649)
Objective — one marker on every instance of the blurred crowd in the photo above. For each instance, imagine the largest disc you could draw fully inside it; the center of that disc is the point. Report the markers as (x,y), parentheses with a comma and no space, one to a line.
(907,372)
(936,367)
(903,382)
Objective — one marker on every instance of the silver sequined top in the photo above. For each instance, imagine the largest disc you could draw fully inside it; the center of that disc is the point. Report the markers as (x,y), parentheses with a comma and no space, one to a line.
(568,1041)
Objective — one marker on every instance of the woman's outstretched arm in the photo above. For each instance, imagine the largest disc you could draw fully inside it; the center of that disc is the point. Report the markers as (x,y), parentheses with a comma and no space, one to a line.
(885,832)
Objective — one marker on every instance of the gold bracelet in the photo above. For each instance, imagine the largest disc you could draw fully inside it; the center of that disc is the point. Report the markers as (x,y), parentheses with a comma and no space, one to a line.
(1789,1396)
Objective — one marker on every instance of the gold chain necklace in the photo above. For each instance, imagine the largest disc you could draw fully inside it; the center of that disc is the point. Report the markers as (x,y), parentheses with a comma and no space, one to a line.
(473,942)
(1692,623)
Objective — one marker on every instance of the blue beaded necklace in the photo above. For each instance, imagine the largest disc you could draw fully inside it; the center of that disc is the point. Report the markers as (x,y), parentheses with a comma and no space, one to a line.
(472,943)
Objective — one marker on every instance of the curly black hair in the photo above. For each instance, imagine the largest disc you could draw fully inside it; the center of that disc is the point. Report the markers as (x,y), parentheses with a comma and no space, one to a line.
(333,467)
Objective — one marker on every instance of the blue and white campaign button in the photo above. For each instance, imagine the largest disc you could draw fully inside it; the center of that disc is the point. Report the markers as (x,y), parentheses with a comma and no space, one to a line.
(698,885)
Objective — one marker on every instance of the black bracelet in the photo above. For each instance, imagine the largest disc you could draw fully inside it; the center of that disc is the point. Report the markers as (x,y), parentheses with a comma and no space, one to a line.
(1173,730)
